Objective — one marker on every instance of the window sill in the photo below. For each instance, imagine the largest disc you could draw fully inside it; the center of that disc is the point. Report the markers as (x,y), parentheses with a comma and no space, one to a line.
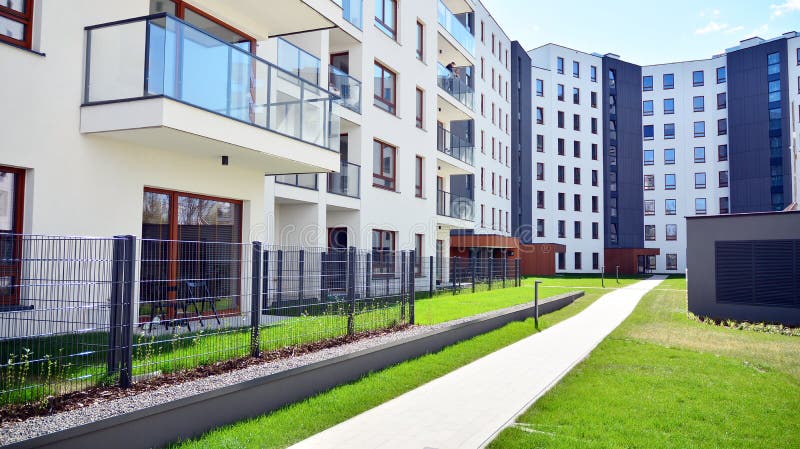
(15,308)
(20,47)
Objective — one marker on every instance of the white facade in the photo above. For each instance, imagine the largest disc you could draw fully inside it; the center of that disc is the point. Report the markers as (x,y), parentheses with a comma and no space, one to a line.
(577,157)
(710,161)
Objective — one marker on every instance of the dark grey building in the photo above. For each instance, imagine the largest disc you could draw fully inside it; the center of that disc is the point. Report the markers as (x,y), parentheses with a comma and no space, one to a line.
(745,267)
(521,143)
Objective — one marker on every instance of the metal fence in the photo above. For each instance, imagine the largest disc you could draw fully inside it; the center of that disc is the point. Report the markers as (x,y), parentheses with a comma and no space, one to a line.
(83,312)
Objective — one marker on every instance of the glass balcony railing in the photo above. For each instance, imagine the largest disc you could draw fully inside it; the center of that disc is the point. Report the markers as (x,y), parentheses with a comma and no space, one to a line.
(454,206)
(454,146)
(305,181)
(454,83)
(186,64)
(346,182)
(346,87)
(298,62)
(456,28)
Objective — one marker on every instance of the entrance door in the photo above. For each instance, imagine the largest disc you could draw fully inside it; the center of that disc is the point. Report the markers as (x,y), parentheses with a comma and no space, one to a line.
(12,182)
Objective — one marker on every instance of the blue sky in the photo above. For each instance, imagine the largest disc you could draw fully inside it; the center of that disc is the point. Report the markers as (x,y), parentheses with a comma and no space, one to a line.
(645,32)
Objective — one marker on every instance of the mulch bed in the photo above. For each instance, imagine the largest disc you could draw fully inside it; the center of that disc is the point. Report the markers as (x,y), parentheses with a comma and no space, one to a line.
(90,396)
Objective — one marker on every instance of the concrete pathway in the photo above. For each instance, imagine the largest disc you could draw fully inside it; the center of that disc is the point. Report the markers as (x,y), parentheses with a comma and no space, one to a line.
(468,407)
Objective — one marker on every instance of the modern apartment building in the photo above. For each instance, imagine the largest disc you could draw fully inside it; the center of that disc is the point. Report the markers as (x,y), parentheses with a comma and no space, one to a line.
(681,139)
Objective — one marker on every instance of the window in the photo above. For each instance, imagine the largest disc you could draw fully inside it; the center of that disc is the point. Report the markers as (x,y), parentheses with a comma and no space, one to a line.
(562,261)
(722,100)
(420,41)
(669,156)
(562,229)
(722,75)
(383,246)
(650,232)
(593,72)
(672,262)
(722,153)
(669,106)
(593,97)
(595,230)
(669,181)
(578,257)
(649,157)
(647,107)
(649,207)
(418,256)
(483,34)
(12,182)
(561,146)
(699,129)
(576,203)
(540,228)
(670,207)
(647,83)
(16,21)
(595,261)
(420,108)
(540,171)
(700,180)
(576,148)
(699,155)
(594,151)
(698,78)
(540,199)
(539,116)
(723,205)
(669,130)
(386,17)
(576,122)
(699,104)
(539,88)
(595,204)
(561,173)
(594,125)
(723,178)
(576,95)
(562,202)
(540,143)
(649,182)
(722,127)
(561,119)
(648,132)
(560,92)
(560,65)
(595,176)
(576,69)
(672,232)
(700,206)
(669,81)
(383,165)
(419,172)
(385,89)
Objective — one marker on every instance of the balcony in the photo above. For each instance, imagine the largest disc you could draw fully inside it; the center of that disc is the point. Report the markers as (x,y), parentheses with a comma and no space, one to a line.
(275,18)
(304,181)
(346,182)
(457,98)
(455,207)
(197,94)
(459,32)
(346,87)
(455,146)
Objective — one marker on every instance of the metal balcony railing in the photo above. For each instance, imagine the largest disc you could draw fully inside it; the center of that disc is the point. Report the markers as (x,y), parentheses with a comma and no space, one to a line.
(455,206)
(456,28)
(455,146)
(185,63)
(455,84)
(347,182)
(346,87)
(304,181)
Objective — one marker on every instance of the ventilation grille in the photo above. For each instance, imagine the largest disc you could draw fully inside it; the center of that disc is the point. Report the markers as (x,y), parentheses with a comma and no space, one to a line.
(759,272)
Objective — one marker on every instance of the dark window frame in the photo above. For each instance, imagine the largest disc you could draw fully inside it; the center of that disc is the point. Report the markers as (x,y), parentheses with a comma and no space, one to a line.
(25,19)
(392,106)
(391,180)
(389,30)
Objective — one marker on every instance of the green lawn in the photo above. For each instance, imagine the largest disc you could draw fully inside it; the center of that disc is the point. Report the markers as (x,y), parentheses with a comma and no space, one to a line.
(662,380)
(298,421)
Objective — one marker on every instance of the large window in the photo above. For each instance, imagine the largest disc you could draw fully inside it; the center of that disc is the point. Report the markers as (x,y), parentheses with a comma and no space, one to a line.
(648,132)
(649,207)
(699,129)
(722,100)
(383,247)
(699,155)
(386,17)
(699,103)
(722,75)
(672,261)
(722,153)
(647,83)
(723,178)
(698,78)
(699,180)
(669,156)
(669,181)
(722,127)
(669,130)
(649,182)
(669,81)
(384,165)
(669,106)
(672,232)
(700,206)
(385,89)
(670,207)
(647,107)
(650,232)
(190,249)
(16,22)
(12,184)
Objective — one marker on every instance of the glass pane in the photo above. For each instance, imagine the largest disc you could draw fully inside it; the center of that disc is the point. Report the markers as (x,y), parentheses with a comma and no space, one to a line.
(16,5)
(12,29)
(7,196)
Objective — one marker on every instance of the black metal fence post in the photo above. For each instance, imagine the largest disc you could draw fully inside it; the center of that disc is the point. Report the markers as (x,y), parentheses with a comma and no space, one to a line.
(453,271)
(536,302)
(474,264)
(301,280)
(617,274)
(603,277)
(126,359)
(115,311)
(518,273)
(279,273)
(430,276)
(351,290)
(491,271)
(368,276)
(403,280)
(265,283)
(505,271)
(323,278)
(412,286)
(255,297)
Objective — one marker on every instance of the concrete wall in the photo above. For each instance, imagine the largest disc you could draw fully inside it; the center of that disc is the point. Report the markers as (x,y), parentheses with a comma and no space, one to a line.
(704,233)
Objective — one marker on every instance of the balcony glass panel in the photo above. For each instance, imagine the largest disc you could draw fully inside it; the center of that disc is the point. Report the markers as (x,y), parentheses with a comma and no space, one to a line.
(346,87)
(455,146)
(347,182)
(456,85)
(455,206)
(305,181)
(187,64)
(456,28)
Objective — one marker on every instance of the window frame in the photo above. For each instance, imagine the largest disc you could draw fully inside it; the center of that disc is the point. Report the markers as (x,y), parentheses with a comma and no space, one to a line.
(420,41)
(23,18)
(392,107)
(390,31)
(667,209)
(419,176)
(393,179)
(420,108)
(702,81)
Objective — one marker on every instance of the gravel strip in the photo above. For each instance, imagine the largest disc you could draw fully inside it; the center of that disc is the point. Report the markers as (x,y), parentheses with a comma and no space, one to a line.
(13,432)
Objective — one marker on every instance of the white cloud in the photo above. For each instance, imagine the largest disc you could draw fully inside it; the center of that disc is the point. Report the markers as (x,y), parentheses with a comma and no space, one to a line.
(735,29)
(712,27)
(787,7)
